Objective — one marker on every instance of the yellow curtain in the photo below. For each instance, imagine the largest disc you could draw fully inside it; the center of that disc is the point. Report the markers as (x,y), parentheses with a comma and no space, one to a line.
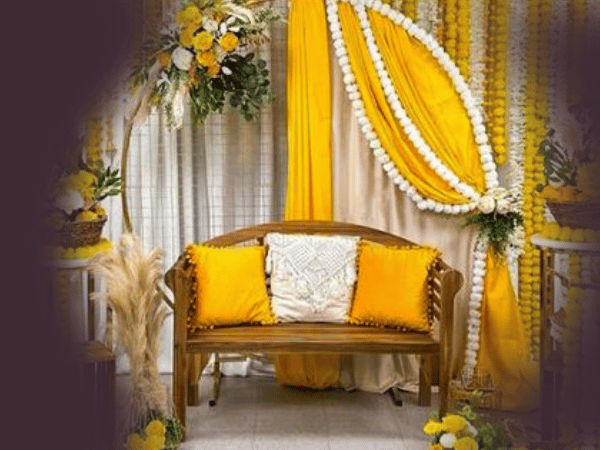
(309,159)
(435,107)
(504,349)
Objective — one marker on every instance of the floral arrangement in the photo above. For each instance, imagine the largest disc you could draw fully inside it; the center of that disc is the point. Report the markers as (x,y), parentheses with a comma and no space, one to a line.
(465,430)
(207,58)
(499,219)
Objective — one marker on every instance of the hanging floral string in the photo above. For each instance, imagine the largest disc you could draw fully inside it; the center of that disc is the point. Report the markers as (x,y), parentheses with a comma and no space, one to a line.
(536,107)
(496,91)
(450,27)
(478,50)
(463,38)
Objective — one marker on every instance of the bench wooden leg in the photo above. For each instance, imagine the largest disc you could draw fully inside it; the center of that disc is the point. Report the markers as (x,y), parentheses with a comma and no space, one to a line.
(194,368)
(425,378)
(180,362)
(444,386)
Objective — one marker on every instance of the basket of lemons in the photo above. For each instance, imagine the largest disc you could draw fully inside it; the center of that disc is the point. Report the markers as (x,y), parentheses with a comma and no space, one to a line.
(572,185)
(76,218)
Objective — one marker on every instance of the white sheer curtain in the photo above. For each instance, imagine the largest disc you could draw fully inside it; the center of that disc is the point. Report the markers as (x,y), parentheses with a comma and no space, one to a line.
(188,185)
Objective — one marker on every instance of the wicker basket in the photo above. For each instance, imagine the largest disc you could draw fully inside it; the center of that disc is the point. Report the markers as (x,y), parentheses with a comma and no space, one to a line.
(576,215)
(460,391)
(79,234)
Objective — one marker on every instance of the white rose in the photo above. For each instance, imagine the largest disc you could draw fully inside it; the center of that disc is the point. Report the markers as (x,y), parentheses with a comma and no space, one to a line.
(498,192)
(447,440)
(182,58)
(211,26)
(503,206)
(69,201)
(472,429)
(486,204)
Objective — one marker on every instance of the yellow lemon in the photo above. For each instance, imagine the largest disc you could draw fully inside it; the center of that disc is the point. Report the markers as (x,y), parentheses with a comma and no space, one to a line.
(86,216)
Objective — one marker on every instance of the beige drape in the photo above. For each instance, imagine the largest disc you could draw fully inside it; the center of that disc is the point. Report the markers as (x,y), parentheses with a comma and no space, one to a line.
(363,194)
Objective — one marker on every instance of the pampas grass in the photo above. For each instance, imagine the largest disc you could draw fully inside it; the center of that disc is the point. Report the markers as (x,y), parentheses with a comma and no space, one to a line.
(131,279)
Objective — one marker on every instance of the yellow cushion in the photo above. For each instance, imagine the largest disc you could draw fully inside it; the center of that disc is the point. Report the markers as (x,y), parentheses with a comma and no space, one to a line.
(229,286)
(392,286)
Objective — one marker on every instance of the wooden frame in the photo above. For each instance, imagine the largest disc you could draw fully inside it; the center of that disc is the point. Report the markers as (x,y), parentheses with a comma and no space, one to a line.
(313,337)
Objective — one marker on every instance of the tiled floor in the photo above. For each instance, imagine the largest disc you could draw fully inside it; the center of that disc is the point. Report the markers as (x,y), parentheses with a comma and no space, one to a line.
(256,413)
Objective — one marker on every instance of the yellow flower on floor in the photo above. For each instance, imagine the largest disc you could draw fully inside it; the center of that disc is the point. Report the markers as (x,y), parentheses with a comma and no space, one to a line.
(433,427)
(453,423)
(436,447)
(154,442)
(135,442)
(229,42)
(465,443)
(156,427)
(206,59)
(203,41)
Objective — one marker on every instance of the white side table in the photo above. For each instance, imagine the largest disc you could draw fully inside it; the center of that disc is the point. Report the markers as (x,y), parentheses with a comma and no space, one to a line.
(80,310)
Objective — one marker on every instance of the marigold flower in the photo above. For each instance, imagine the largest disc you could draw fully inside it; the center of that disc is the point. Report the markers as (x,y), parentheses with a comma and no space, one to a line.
(206,59)
(436,447)
(453,423)
(154,442)
(190,16)
(229,42)
(433,427)
(156,427)
(164,59)
(186,37)
(203,41)
(465,443)
(213,70)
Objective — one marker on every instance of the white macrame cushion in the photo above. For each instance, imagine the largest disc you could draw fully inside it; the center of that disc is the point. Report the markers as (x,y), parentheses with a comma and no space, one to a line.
(312,277)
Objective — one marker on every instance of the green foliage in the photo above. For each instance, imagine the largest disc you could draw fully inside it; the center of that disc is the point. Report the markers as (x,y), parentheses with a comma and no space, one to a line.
(496,227)
(109,183)
(559,167)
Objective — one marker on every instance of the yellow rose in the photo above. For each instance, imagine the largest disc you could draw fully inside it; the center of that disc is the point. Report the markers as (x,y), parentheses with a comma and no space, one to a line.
(465,443)
(189,17)
(213,70)
(432,427)
(164,59)
(186,37)
(203,41)
(156,427)
(453,423)
(206,59)
(229,42)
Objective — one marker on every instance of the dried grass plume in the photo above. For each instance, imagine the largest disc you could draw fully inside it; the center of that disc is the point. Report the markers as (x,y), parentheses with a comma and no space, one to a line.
(131,278)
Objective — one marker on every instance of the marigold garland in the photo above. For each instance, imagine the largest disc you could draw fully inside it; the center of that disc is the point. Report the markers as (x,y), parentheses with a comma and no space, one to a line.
(463,38)
(536,107)
(450,27)
(496,76)
(93,145)
(409,9)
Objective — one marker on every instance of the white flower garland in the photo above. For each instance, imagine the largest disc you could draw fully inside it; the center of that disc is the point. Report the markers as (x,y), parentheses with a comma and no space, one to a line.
(478,50)
(517,75)
(428,15)
(474,321)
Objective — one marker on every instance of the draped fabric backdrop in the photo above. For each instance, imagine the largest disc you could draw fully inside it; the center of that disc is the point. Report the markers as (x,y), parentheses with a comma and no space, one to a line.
(364,194)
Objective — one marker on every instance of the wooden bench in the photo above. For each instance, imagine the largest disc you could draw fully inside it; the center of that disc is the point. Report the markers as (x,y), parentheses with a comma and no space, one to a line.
(313,337)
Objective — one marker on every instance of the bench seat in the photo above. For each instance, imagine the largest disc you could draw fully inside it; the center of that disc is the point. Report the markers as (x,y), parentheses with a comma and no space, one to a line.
(311,338)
